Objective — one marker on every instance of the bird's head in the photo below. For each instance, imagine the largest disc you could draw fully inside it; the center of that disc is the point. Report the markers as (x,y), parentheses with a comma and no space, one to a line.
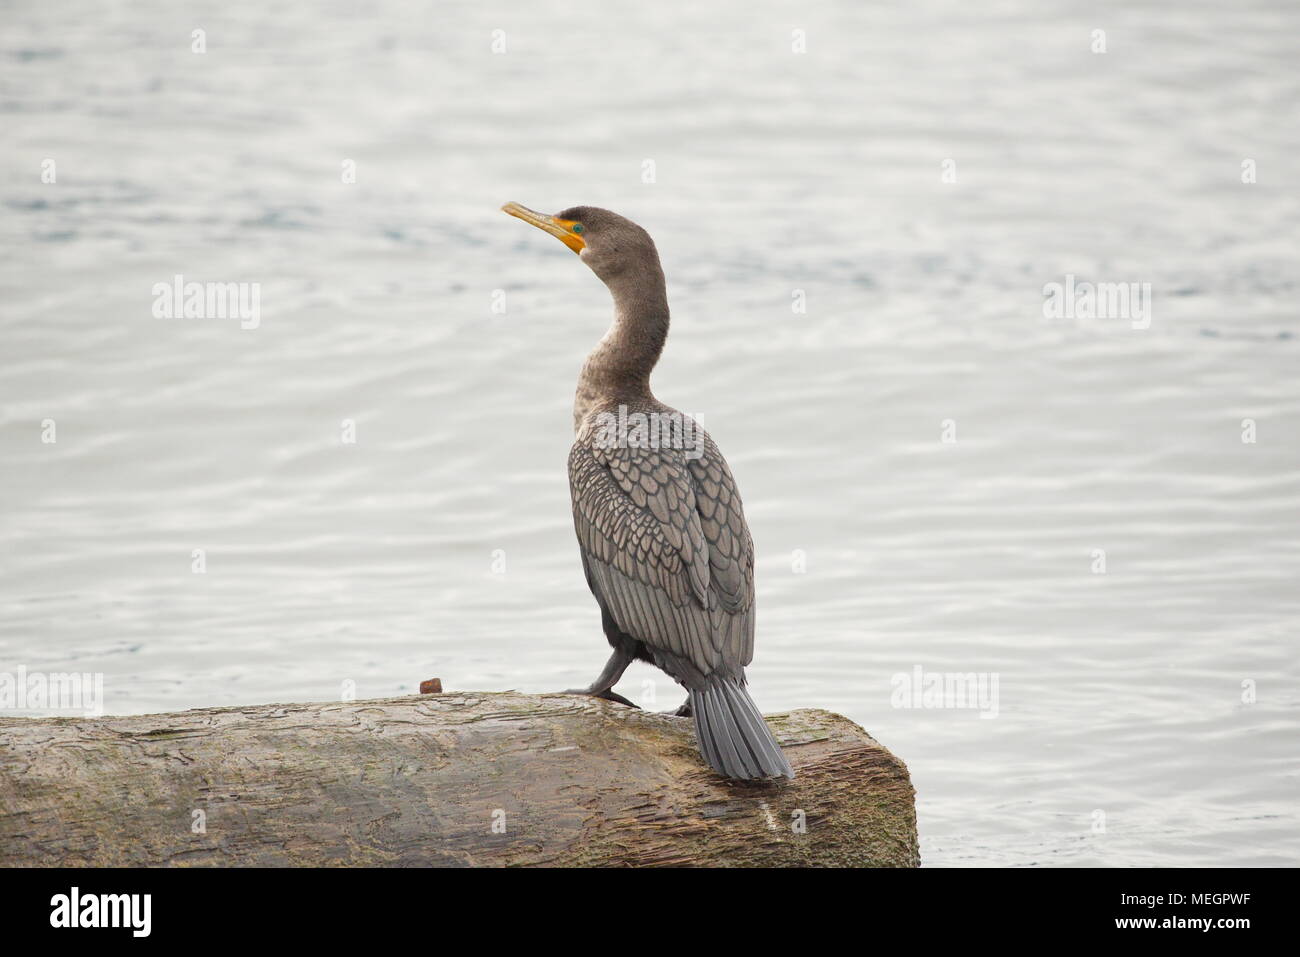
(607,242)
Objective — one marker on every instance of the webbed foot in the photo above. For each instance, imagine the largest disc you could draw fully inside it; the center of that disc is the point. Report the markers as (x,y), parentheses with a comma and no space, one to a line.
(608,694)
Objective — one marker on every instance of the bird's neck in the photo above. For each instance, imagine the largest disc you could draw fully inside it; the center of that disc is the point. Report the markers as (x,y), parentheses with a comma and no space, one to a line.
(618,369)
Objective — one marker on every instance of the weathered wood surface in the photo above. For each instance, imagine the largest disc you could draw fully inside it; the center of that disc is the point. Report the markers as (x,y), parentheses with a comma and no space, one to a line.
(412,781)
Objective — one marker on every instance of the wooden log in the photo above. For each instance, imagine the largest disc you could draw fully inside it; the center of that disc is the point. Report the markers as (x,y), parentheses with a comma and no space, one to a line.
(478,779)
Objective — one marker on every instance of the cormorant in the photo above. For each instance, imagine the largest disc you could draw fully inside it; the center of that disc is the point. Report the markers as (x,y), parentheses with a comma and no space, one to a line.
(663,538)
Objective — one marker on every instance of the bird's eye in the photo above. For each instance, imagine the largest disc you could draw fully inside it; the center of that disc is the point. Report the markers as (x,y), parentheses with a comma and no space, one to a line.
(577,227)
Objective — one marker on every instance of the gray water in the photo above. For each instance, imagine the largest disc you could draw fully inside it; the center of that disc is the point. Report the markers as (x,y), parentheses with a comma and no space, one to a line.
(440,542)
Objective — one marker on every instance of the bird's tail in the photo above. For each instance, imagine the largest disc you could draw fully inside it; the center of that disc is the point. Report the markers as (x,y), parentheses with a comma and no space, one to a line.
(733,736)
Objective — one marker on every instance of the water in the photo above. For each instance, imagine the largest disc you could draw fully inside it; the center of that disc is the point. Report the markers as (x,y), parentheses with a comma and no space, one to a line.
(372,563)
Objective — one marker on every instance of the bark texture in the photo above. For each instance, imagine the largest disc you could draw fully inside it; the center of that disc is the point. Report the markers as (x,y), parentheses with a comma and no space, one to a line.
(462,779)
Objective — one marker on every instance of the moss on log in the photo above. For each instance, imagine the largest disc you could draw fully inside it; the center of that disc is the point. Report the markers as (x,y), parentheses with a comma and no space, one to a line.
(462,779)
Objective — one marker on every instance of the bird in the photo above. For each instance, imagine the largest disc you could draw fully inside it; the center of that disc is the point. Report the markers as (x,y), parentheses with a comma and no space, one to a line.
(661,530)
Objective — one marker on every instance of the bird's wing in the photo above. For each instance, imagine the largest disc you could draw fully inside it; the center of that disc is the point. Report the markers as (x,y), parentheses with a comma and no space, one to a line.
(722,519)
(667,553)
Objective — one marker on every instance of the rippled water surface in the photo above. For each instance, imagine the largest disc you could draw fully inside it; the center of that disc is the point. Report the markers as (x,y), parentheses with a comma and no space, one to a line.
(440,543)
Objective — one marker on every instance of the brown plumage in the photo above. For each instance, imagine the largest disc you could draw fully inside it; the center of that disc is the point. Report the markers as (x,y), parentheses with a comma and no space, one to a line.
(660,527)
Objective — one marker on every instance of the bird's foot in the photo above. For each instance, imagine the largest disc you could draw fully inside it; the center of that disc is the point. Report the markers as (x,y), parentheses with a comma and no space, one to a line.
(683,712)
(608,694)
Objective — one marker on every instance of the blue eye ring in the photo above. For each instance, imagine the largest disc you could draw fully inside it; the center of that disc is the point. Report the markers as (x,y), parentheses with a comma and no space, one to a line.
(577,227)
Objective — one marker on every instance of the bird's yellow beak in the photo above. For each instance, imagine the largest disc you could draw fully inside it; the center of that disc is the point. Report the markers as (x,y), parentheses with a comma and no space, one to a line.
(561,229)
